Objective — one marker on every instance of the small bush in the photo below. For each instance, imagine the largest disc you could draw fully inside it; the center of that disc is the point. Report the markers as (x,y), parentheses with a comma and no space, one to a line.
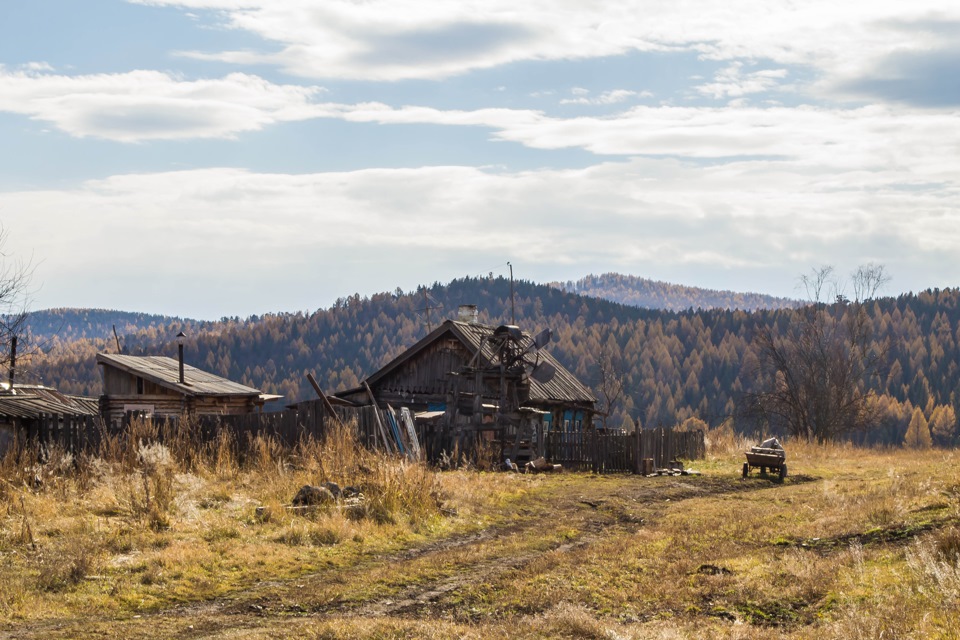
(948,546)
(294,536)
(221,533)
(881,516)
(216,499)
(152,574)
(68,565)
(157,519)
(325,536)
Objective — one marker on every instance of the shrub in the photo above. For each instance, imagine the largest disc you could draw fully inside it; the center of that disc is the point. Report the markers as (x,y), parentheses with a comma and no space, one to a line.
(67,565)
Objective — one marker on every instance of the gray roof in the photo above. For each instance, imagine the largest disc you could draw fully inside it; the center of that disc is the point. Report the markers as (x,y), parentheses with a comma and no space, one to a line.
(564,387)
(30,401)
(165,372)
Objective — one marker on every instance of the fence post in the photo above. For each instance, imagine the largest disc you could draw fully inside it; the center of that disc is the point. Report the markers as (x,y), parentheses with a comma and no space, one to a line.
(595,449)
(637,451)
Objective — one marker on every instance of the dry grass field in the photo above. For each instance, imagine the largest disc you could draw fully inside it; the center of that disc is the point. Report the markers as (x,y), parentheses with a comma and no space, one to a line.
(191,540)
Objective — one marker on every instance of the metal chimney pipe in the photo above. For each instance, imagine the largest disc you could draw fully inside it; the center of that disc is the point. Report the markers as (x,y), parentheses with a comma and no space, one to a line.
(180,337)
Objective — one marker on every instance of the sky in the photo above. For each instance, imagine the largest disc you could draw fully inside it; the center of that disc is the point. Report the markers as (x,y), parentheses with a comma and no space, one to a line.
(210,158)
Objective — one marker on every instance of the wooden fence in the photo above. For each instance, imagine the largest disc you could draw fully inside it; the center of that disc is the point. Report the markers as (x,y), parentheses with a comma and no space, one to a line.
(607,453)
(72,432)
(594,451)
(309,419)
(77,432)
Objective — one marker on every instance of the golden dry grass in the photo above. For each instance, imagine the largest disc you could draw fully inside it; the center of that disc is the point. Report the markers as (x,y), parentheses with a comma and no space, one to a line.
(854,544)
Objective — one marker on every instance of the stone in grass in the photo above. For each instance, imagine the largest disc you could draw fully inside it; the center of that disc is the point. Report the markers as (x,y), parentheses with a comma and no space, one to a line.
(333,488)
(713,570)
(312,496)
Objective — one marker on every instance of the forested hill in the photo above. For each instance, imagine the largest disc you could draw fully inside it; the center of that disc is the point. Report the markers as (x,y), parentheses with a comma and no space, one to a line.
(653,294)
(68,325)
(675,365)
(341,345)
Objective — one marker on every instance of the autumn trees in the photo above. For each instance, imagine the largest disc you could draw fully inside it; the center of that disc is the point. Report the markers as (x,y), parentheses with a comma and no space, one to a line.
(673,365)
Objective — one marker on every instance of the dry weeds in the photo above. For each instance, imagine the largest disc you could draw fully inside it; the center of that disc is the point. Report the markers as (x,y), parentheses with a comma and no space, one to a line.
(196,538)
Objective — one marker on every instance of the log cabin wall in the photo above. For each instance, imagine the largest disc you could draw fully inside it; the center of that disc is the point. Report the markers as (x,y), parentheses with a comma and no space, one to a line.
(424,379)
(115,407)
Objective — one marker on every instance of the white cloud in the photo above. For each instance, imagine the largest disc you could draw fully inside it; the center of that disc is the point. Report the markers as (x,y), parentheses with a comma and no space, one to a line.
(913,144)
(614,96)
(36,66)
(150,105)
(381,40)
(227,229)
(731,82)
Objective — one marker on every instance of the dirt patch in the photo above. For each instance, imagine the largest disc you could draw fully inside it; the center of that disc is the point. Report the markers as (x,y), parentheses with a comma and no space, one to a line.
(892,534)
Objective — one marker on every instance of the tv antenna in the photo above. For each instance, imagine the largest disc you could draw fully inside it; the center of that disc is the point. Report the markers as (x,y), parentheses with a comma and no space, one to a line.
(429,304)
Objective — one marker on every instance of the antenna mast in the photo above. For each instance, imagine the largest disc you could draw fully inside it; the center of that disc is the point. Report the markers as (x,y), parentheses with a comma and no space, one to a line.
(427,309)
(513,310)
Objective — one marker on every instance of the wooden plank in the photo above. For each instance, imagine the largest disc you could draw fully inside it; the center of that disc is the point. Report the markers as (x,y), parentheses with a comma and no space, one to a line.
(391,416)
(407,419)
(383,432)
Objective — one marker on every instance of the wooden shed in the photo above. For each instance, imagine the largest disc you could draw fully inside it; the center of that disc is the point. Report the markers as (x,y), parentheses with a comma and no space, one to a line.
(152,385)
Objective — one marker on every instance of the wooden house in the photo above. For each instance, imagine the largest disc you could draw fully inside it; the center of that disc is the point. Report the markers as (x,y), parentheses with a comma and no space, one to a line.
(497,382)
(165,387)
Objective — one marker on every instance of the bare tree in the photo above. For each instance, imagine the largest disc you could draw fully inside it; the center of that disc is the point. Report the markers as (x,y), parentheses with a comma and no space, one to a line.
(611,378)
(819,364)
(15,276)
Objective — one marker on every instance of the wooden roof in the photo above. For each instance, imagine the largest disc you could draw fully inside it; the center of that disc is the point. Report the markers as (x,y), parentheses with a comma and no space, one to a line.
(563,388)
(165,372)
(32,401)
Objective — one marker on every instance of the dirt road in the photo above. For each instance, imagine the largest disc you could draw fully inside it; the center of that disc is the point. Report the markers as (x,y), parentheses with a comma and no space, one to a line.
(423,582)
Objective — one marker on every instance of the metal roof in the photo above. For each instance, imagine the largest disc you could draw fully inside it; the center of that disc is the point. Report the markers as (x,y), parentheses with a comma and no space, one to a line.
(30,401)
(564,387)
(165,372)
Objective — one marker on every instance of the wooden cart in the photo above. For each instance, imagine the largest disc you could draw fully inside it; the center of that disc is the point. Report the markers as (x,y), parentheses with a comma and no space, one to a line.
(773,459)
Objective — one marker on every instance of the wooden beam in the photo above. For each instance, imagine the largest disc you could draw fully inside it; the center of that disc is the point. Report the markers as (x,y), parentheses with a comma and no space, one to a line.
(326,402)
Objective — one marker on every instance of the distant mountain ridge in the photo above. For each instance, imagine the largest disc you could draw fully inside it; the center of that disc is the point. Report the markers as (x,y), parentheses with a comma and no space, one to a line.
(68,324)
(653,294)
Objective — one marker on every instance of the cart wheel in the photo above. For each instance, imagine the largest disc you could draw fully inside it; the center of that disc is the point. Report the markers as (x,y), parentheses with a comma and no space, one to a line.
(783,471)
(746,469)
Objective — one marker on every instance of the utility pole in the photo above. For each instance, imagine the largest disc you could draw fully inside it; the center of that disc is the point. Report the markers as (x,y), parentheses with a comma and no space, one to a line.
(13,359)
(119,350)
